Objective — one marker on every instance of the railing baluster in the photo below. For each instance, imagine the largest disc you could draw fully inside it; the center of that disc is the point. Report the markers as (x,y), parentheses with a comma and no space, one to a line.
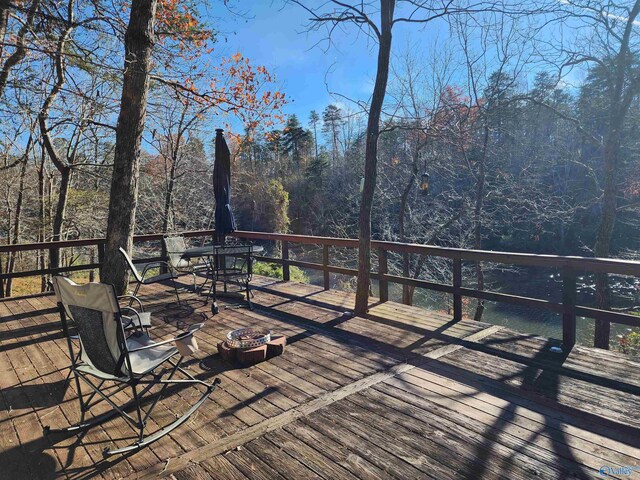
(325,264)
(286,276)
(457,285)
(383,269)
(568,307)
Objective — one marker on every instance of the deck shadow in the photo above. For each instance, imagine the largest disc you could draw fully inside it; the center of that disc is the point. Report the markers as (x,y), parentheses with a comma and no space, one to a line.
(36,395)
(41,464)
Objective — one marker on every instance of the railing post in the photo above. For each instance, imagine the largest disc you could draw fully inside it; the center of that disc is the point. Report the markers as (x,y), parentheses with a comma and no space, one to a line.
(285,261)
(457,285)
(383,269)
(406,273)
(325,265)
(568,307)
(101,247)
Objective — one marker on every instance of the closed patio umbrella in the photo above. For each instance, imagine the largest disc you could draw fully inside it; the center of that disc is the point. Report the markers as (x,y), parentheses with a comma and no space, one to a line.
(224,221)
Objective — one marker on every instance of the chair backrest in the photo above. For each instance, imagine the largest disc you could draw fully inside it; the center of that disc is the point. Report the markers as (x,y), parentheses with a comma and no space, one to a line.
(132,267)
(175,246)
(94,310)
(238,259)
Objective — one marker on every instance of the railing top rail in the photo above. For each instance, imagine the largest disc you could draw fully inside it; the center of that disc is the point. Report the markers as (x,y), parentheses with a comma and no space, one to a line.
(616,266)
(84,242)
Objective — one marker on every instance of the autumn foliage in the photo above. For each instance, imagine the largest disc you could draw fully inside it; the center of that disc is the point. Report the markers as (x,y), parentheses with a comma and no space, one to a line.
(229,85)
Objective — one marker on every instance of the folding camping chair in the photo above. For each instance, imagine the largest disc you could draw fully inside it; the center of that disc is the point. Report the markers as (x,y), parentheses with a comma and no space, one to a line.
(142,279)
(107,352)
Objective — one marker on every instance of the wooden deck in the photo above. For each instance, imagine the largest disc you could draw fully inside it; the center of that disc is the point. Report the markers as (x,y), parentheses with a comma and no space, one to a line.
(403,393)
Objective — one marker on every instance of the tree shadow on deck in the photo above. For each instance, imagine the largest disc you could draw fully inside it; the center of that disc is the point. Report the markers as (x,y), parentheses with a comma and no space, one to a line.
(36,395)
(541,372)
(564,455)
(540,393)
(29,461)
(58,440)
(36,459)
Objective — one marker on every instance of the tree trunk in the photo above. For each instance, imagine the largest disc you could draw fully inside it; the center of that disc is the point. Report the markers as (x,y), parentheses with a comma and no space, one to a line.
(61,213)
(621,99)
(168,199)
(602,247)
(406,268)
(371,157)
(123,198)
(42,227)
(4,20)
(43,116)
(17,221)
(20,51)
(315,137)
(477,220)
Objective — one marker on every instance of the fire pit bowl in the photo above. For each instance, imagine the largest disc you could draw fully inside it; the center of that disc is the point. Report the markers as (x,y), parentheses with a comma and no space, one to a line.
(248,337)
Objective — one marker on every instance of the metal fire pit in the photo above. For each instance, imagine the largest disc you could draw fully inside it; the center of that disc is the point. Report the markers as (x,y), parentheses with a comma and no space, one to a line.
(248,338)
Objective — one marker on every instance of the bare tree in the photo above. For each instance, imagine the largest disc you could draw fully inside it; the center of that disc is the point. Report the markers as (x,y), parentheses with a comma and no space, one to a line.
(178,120)
(613,49)
(123,198)
(360,14)
(335,14)
(314,118)
(19,47)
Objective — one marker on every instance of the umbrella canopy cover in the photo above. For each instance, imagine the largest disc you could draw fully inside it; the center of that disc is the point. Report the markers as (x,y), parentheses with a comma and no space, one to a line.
(225,223)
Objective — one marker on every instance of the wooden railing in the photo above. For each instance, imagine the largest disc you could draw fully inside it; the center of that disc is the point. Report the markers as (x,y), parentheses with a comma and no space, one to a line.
(568,266)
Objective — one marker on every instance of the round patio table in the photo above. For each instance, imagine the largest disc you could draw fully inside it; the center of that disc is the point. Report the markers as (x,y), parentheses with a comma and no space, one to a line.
(215,257)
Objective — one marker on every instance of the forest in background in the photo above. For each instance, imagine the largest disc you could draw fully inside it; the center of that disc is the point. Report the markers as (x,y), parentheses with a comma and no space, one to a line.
(513,151)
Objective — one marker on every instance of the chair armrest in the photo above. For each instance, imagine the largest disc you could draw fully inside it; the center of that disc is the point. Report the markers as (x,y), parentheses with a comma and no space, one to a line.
(137,325)
(189,333)
(154,265)
(132,298)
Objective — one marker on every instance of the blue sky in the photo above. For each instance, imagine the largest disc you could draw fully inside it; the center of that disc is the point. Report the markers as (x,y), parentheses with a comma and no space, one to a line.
(274,34)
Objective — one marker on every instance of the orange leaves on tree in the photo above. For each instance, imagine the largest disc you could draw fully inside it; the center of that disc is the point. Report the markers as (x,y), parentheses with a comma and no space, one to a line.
(236,87)
(454,117)
(177,20)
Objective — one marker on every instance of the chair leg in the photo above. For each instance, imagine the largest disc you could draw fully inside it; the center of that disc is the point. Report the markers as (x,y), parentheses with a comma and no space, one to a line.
(204,284)
(135,292)
(145,441)
(214,293)
(248,296)
(141,423)
(161,433)
(115,410)
(175,287)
